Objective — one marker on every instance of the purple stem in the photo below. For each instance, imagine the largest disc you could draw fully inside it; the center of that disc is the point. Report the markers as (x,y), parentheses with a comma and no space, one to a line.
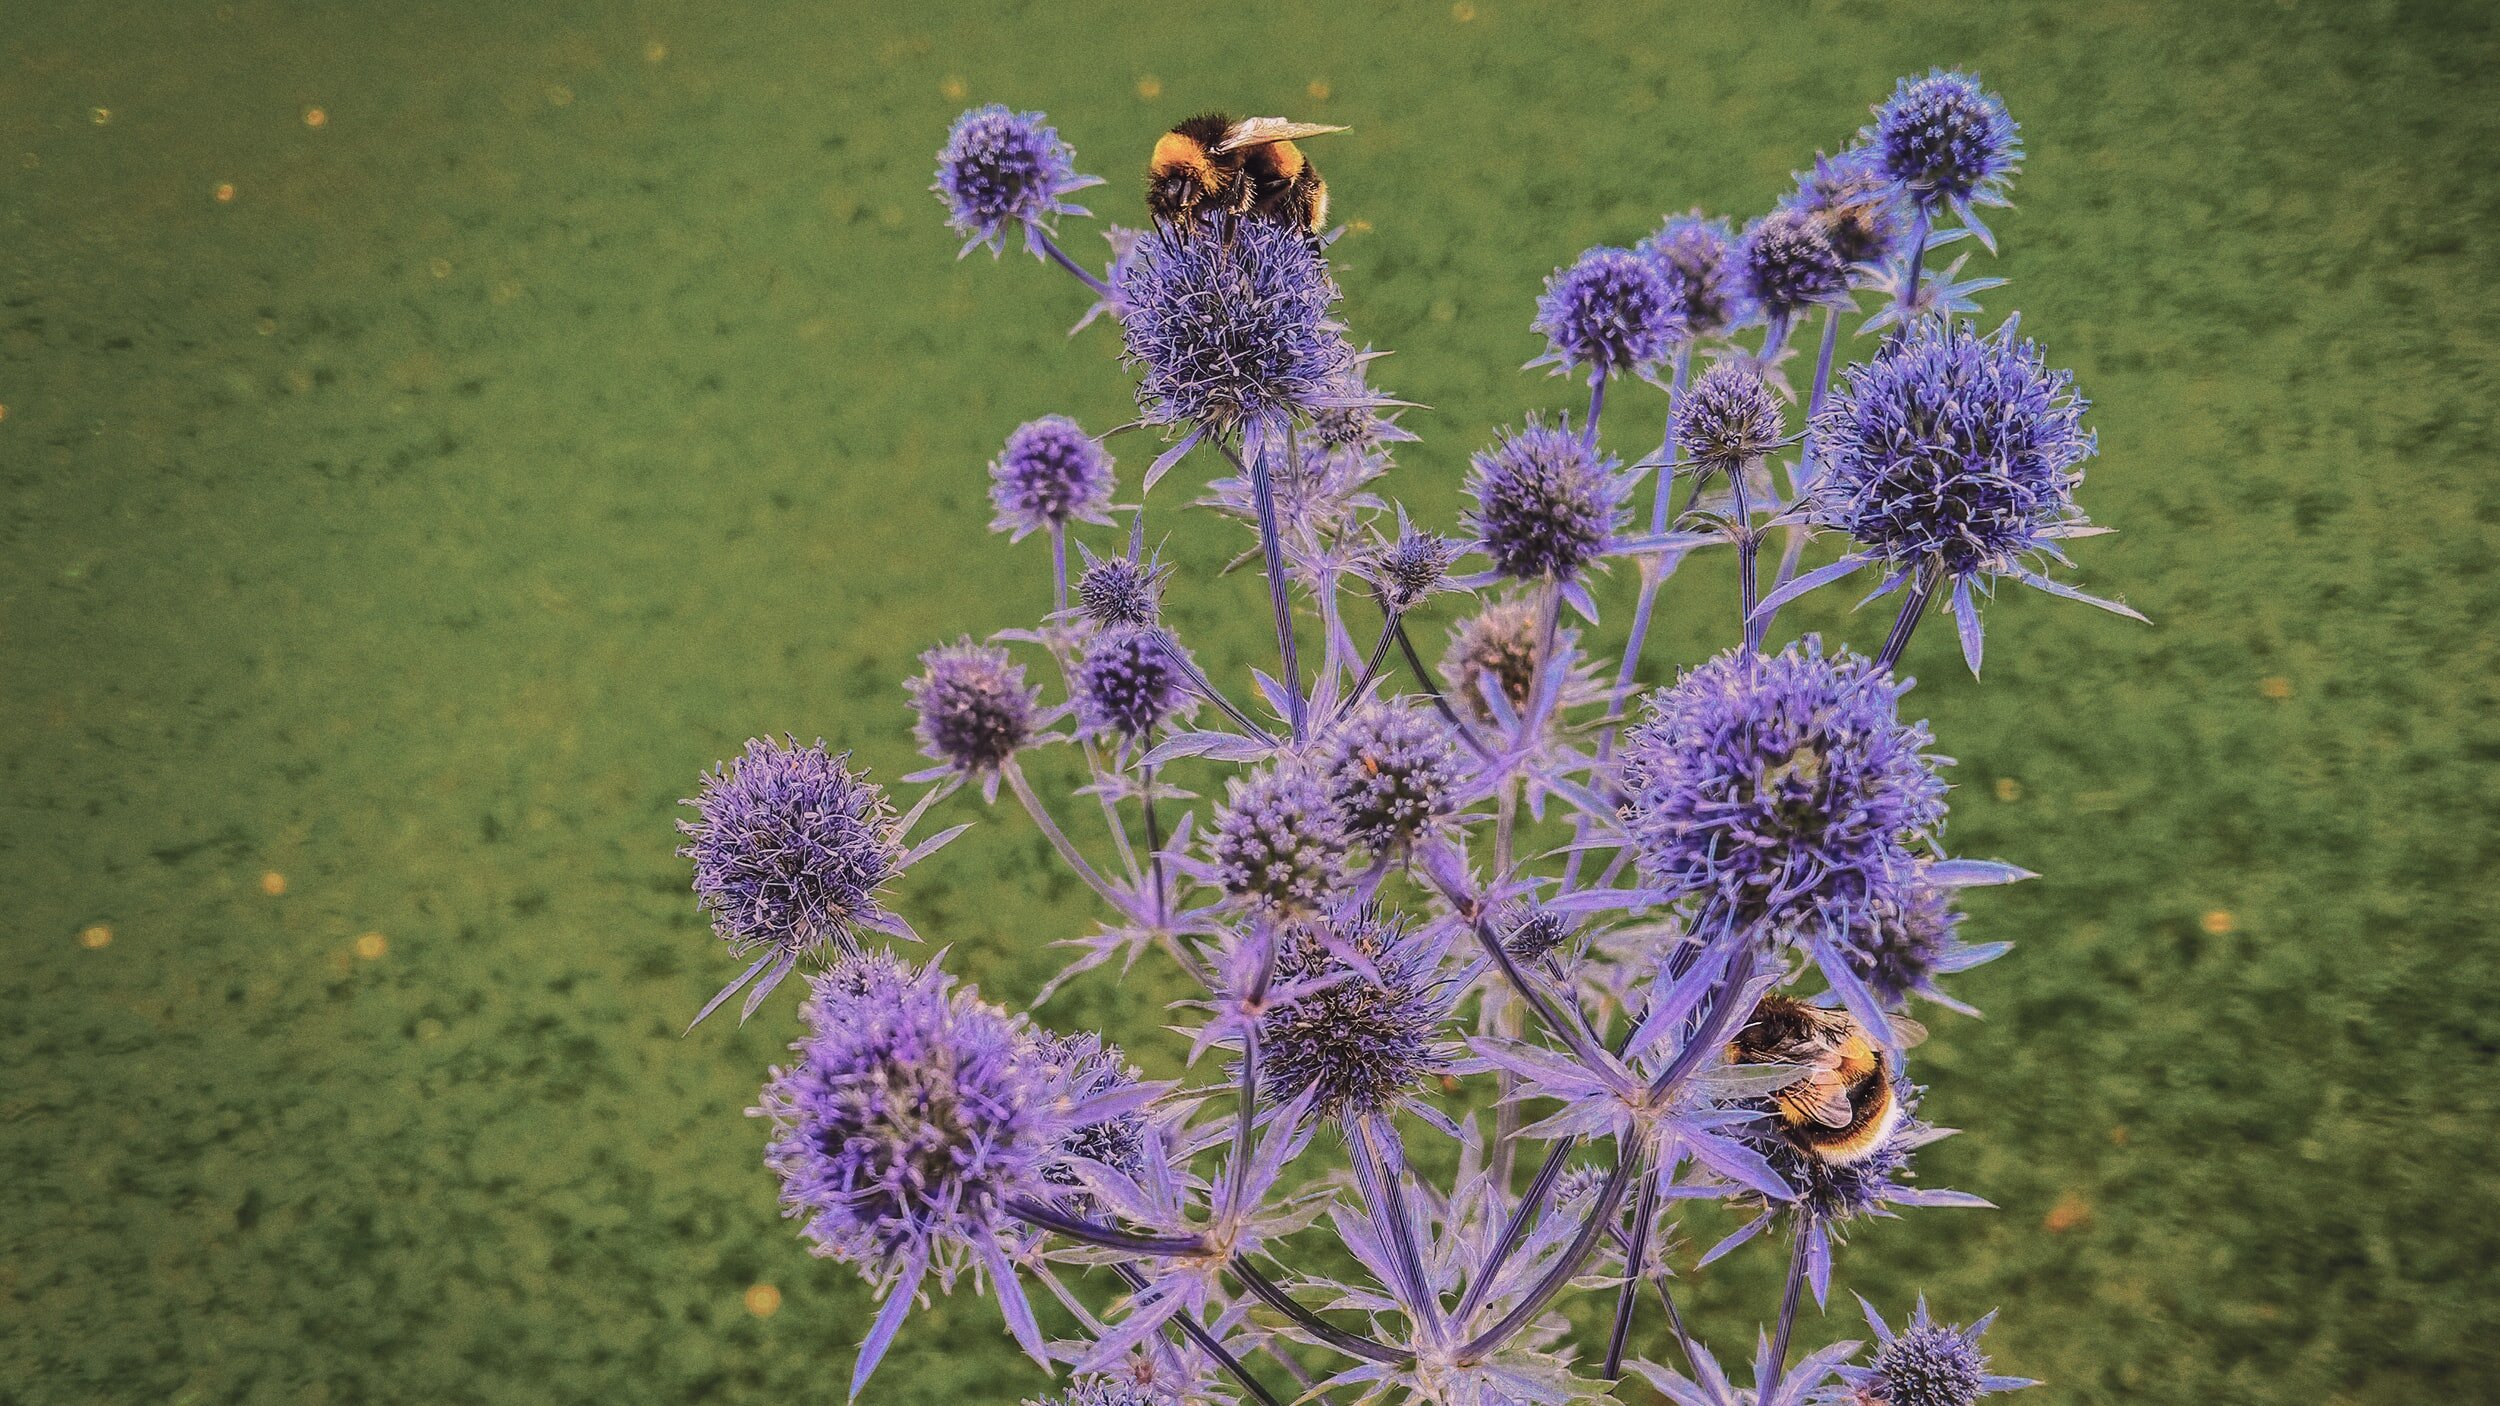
(1907,621)
(1788,1314)
(1635,1256)
(1051,247)
(1271,544)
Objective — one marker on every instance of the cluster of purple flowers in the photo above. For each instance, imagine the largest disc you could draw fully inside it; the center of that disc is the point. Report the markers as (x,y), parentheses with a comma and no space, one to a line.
(1518,905)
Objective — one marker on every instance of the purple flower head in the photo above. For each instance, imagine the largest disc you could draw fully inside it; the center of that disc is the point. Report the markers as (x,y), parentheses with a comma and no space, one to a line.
(975,709)
(1856,204)
(1533,934)
(1412,568)
(1909,942)
(1050,473)
(1228,322)
(1728,418)
(1122,590)
(1000,168)
(1393,773)
(1947,141)
(1927,1363)
(1954,449)
(1783,791)
(1085,1068)
(1496,649)
(1127,683)
(1358,1030)
(1697,256)
(1277,844)
(1613,311)
(1547,502)
(790,847)
(1789,263)
(1100,1391)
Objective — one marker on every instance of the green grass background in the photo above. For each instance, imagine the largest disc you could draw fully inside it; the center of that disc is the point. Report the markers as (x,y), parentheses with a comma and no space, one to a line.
(597,388)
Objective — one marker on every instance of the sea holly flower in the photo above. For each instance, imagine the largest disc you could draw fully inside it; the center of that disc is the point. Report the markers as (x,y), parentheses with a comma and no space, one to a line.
(1790,263)
(1361,1030)
(1927,1363)
(1122,590)
(1949,143)
(1727,421)
(1393,773)
(1612,311)
(1916,939)
(1130,680)
(791,848)
(974,711)
(1278,846)
(1411,567)
(1697,254)
(1050,474)
(1004,168)
(1857,205)
(1952,460)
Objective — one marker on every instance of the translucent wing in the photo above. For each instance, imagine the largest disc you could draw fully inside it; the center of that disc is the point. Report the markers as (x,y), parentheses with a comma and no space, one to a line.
(1825,1099)
(1266,131)
(1905,1031)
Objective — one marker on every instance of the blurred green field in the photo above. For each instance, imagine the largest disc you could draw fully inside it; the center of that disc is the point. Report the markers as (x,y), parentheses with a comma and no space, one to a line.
(397,510)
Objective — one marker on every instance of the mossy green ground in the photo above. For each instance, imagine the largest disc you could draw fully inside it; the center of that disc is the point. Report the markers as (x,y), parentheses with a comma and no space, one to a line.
(596,388)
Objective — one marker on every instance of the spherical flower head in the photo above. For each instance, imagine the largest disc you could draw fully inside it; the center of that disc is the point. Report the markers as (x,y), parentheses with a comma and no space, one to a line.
(975,709)
(1496,647)
(1228,322)
(1789,263)
(1926,1363)
(1953,448)
(1099,1391)
(1533,934)
(1083,1067)
(1546,502)
(1001,168)
(1856,204)
(1393,774)
(790,847)
(912,1116)
(1908,942)
(1728,418)
(1115,591)
(1947,140)
(1838,1192)
(1127,683)
(1411,568)
(1613,312)
(1051,473)
(1277,844)
(1358,1041)
(1696,254)
(1781,790)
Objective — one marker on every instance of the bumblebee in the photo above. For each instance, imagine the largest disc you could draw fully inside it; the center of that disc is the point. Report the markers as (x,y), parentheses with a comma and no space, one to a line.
(1845,1106)
(1212,165)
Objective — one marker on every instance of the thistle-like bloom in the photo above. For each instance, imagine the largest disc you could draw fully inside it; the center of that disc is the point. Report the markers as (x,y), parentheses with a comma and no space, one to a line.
(1828,1196)
(1727,419)
(1277,844)
(1612,311)
(1050,474)
(790,847)
(975,709)
(1784,792)
(1493,651)
(1948,142)
(913,1118)
(1099,1391)
(1856,204)
(1393,773)
(1789,263)
(1087,1070)
(1696,254)
(1122,590)
(1547,502)
(1128,682)
(1927,1363)
(1001,168)
(1359,1032)
(1413,567)
(1954,457)
(1229,325)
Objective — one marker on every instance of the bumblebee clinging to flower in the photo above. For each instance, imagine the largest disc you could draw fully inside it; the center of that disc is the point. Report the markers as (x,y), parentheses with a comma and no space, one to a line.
(1846,1105)
(1211,164)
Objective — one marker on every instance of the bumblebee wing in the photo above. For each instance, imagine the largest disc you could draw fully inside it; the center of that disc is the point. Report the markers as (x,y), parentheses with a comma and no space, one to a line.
(1266,131)
(1826,1101)
(1905,1031)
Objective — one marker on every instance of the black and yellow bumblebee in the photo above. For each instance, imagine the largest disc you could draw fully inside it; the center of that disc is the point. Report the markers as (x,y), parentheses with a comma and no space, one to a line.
(1211,165)
(1845,1106)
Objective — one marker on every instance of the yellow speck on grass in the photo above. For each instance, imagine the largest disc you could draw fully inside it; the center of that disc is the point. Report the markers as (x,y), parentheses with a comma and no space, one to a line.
(953,87)
(2275,686)
(2219,922)
(372,945)
(101,115)
(273,883)
(1150,87)
(654,51)
(1462,12)
(2070,1213)
(316,117)
(2008,789)
(1318,90)
(763,1300)
(95,937)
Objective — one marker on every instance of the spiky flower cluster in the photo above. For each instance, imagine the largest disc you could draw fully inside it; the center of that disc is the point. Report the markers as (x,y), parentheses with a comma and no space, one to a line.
(1953,448)
(1947,141)
(1546,502)
(1231,324)
(1393,773)
(1613,311)
(1050,474)
(1359,1028)
(974,708)
(790,847)
(913,1115)
(1001,168)
(1782,791)
(1523,905)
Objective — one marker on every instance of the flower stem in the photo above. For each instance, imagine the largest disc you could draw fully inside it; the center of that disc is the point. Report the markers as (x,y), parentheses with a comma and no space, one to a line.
(1269,1292)
(1058,838)
(1597,406)
(1109,1237)
(1573,1258)
(1051,247)
(1635,1256)
(1206,1342)
(1748,586)
(1907,304)
(1154,842)
(1907,621)
(1371,666)
(1059,565)
(1533,1199)
(1788,1313)
(1272,546)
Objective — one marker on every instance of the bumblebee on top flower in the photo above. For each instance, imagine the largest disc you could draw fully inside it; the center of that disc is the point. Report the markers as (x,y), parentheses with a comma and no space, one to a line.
(1625,947)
